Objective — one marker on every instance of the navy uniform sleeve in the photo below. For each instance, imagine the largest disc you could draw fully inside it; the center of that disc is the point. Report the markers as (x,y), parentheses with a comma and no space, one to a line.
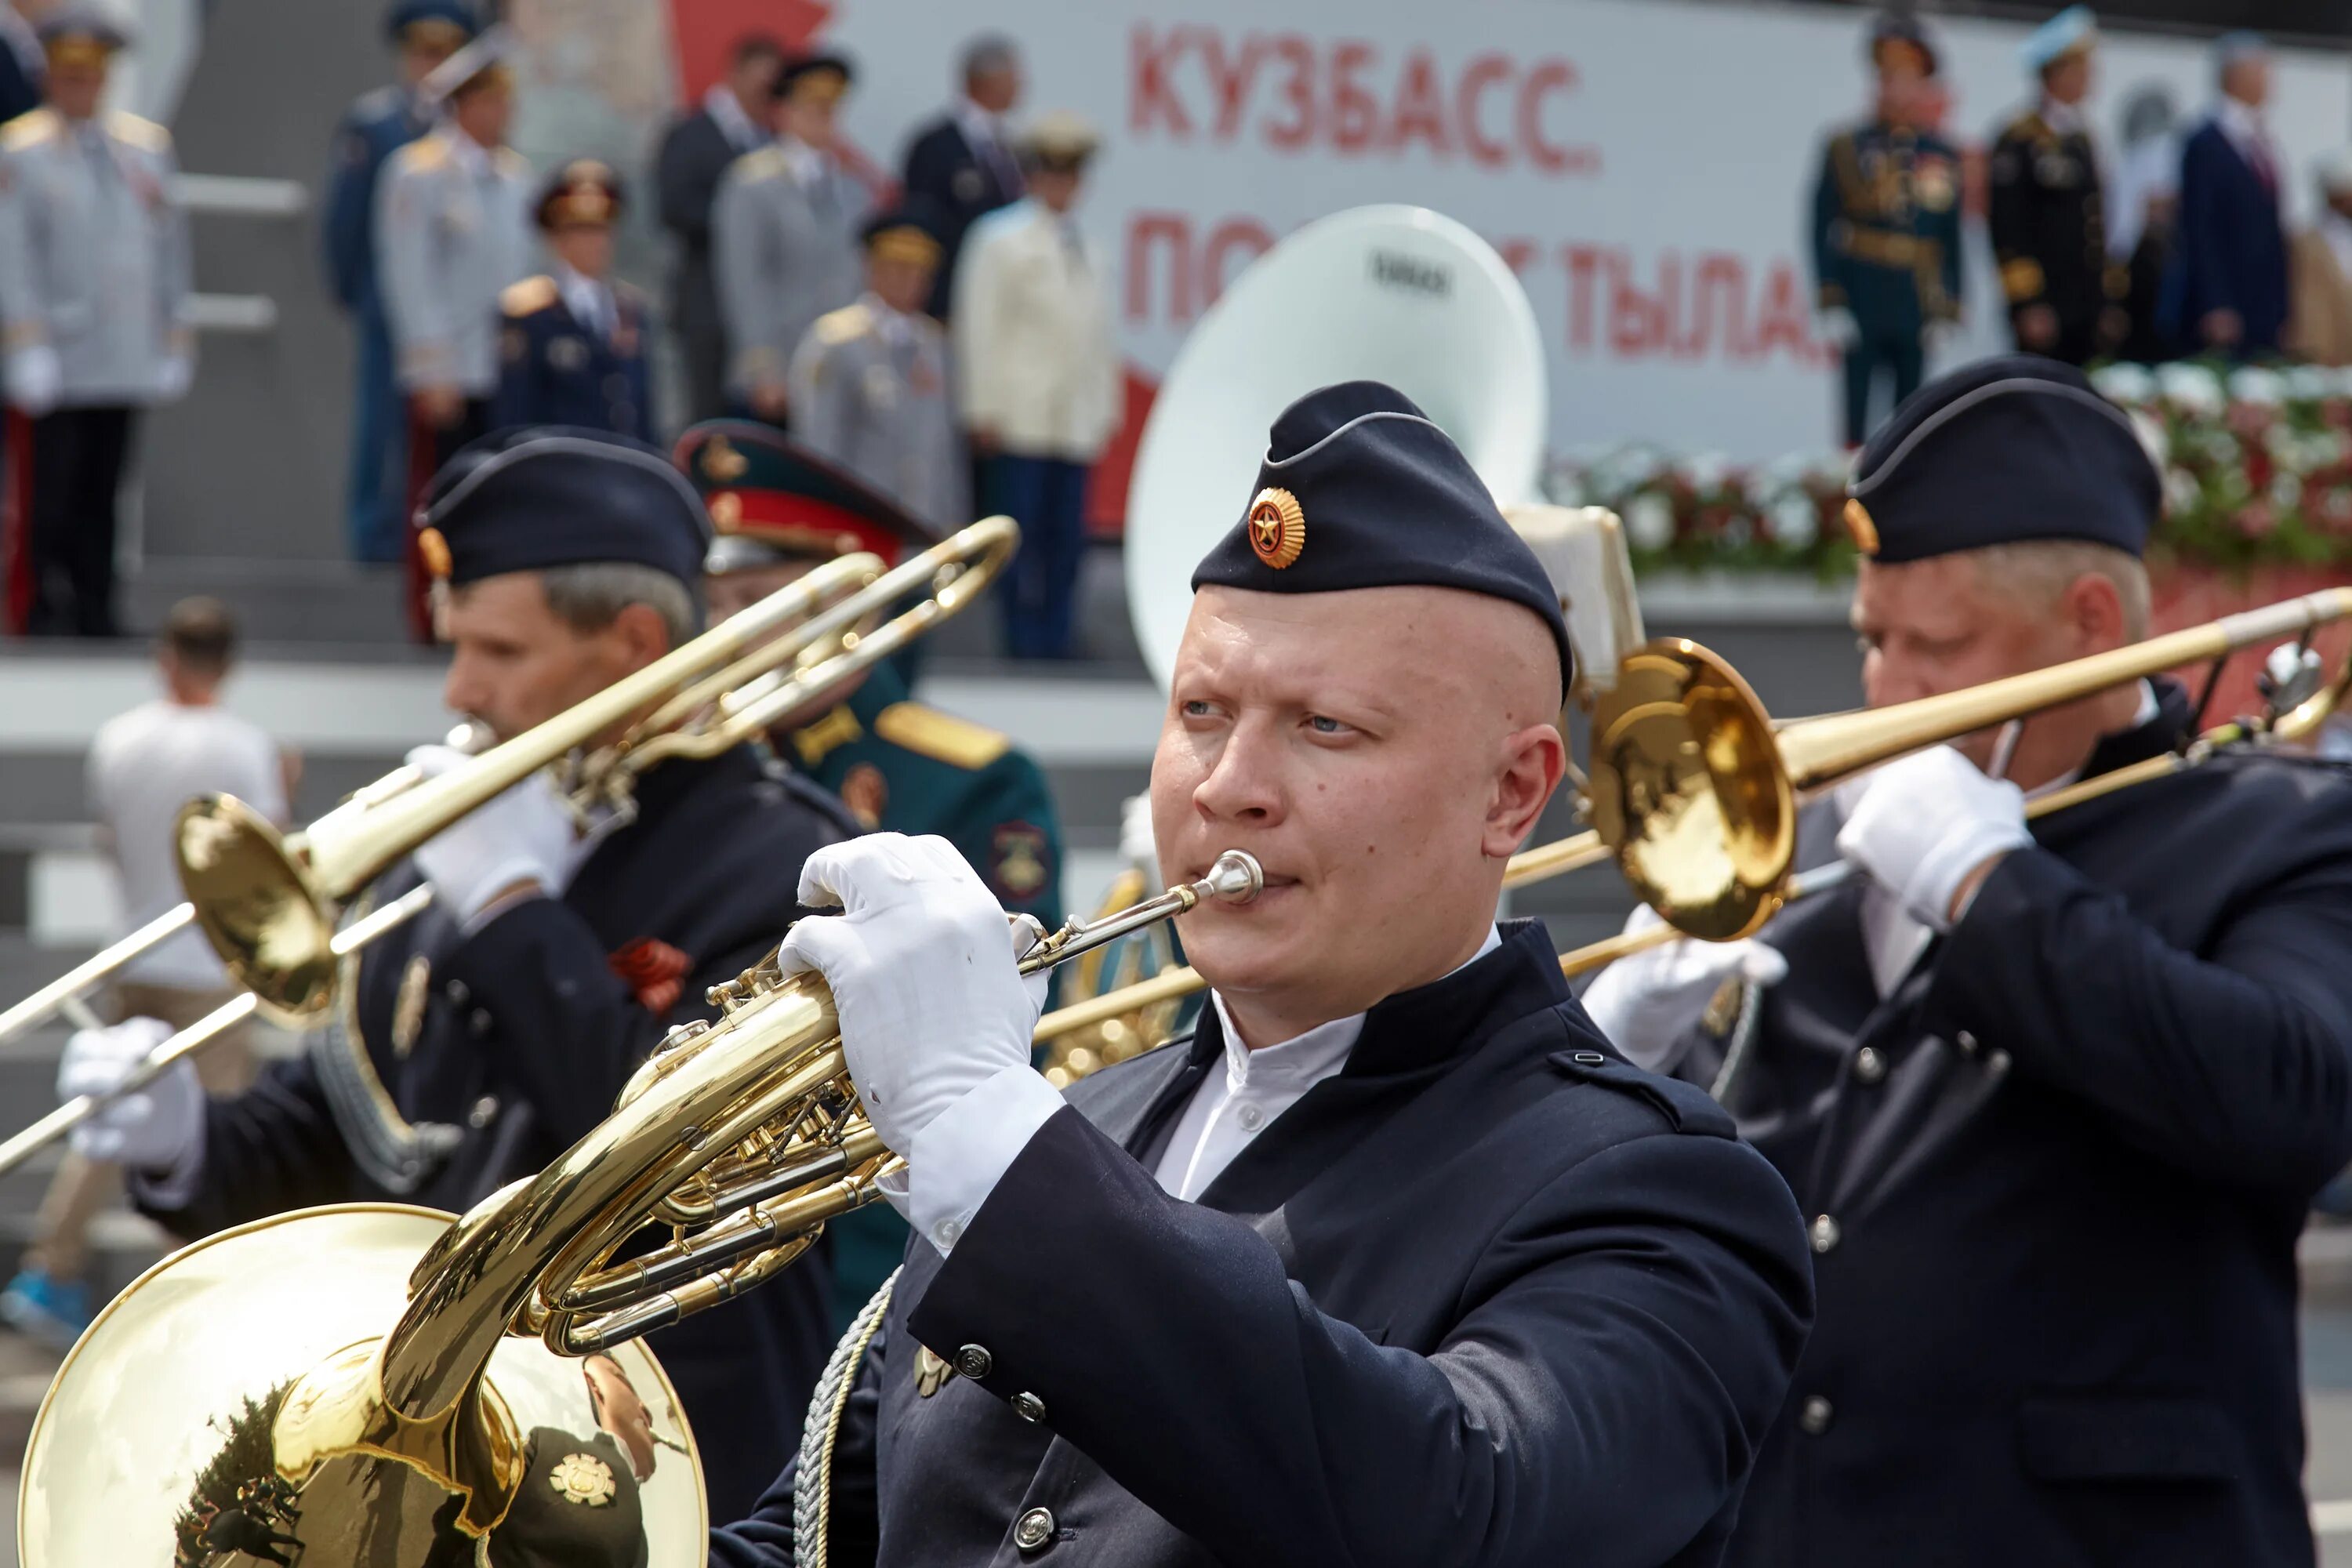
(272,1147)
(686,179)
(517,399)
(2235,1064)
(1829,211)
(1623,1348)
(344,230)
(765,1540)
(2015,193)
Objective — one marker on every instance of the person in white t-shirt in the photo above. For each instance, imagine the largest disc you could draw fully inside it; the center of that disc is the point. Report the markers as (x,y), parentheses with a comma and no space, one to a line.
(143,764)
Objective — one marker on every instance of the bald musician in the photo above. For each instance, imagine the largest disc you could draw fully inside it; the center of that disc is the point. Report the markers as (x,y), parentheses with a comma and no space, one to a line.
(1394,1261)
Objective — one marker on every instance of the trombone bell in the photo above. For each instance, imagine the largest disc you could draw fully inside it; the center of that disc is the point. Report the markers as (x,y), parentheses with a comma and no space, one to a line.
(1688,790)
(255,899)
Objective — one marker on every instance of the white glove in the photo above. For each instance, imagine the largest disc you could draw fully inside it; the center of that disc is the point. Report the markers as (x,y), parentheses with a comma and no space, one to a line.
(1918,827)
(1136,844)
(174,376)
(524,836)
(921,964)
(1837,327)
(154,1128)
(34,379)
(1646,1003)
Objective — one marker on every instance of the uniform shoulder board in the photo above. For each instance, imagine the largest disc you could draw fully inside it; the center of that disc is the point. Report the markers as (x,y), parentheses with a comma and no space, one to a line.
(424,152)
(840,326)
(942,737)
(529,297)
(29,129)
(141,133)
(765,164)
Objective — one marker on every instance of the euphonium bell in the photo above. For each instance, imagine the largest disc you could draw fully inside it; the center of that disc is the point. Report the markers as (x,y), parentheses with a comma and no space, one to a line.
(376,1384)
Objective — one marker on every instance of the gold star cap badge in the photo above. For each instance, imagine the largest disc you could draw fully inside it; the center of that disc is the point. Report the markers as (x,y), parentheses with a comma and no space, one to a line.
(1277,527)
(434,551)
(722,462)
(1858,522)
(583,1478)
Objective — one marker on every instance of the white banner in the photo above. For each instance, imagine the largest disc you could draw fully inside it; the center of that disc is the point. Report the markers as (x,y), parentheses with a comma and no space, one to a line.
(1645,165)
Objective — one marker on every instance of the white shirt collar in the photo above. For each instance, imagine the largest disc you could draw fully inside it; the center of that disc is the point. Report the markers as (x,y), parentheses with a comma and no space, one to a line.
(589,299)
(806,164)
(978,124)
(2062,118)
(470,155)
(1306,1059)
(727,111)
(894,326)
(2241,124)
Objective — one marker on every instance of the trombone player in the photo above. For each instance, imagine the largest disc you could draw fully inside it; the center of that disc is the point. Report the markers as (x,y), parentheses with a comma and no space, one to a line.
(2056,1098)
(1393,1261)
(489,1033)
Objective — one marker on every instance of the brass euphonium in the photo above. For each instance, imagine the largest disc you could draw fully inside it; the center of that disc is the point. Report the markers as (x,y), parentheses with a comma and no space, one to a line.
(311,1382)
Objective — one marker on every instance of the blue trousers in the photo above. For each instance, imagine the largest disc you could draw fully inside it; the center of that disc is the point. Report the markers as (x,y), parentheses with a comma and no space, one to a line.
(1048,497)
(376,484)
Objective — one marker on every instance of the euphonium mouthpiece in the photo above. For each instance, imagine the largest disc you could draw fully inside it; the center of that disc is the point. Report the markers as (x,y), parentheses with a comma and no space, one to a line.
(1236,878)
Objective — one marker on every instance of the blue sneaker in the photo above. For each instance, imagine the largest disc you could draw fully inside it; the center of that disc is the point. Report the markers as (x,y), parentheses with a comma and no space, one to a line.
(45,1310)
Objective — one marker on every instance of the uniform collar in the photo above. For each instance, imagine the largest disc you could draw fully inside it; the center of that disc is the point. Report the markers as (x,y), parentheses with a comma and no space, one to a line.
(470,154)
(807,165)
(2162,725)
(895,326)
(591,300)
(980,128)
(1516,973)
(2063,119)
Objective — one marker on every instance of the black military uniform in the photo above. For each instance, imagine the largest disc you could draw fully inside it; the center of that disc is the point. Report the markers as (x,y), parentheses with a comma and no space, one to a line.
(1488,1295)
(576,349)
(2049,227)
(2058,1169)
(460,1061)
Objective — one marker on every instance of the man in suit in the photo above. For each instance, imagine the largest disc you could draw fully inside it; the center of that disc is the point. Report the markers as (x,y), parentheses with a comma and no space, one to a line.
(870,384)
(424,33)
(2057,1094)
(732,119)
(784,237)
(1393,1262)
(575,340)
(2047,216)
(899,765)
(964,163)
(2232,244)
(474,1044)
(94,284)
(1038,367)
(1886,229)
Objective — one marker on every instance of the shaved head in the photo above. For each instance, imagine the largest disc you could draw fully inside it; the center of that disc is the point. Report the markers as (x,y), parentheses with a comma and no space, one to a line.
(1383,752)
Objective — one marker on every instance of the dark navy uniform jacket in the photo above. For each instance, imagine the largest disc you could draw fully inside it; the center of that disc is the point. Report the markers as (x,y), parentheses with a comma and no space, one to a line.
(1488,1295)
(378,125)
(963,187)
(517,1039)
(2063,1167)
(2233,246)
(556,371)
(2048,232)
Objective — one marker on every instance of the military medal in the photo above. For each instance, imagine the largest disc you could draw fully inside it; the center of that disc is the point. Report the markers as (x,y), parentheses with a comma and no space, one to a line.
(931,1372)
(408,1006)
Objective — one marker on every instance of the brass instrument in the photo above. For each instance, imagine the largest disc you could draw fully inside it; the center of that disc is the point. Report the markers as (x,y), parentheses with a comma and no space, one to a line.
(378,1407)
(1694,787)
(268,903)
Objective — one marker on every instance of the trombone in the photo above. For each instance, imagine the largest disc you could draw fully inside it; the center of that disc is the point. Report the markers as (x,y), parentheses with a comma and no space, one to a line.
(268,903)
(1694,788)
(401,1418)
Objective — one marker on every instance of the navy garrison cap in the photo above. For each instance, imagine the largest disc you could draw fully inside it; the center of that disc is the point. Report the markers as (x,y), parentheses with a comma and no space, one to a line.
(2008,449)
(450,21)
(526,500)
(1358,489)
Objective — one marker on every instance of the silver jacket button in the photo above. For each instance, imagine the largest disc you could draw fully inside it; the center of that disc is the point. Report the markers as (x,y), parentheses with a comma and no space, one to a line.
(1029,1407)
(485,1111)
(975,1361)
(1032,1530)
(1869,1065)
(1815,1415)
(1824,1232)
